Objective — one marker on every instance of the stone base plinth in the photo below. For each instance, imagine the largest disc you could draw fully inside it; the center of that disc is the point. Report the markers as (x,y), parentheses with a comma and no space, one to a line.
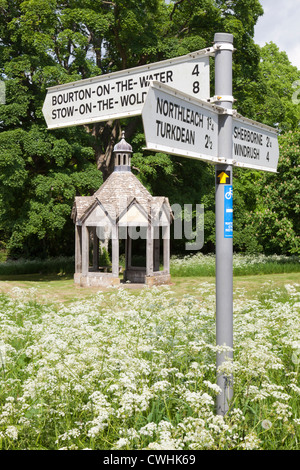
(138,276)
(158,279)
(108,280)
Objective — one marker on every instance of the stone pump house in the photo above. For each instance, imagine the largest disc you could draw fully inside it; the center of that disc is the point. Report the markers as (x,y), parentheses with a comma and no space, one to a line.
(122,209)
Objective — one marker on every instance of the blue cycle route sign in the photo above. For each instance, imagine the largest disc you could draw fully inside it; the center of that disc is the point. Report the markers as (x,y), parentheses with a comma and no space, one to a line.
(228,211)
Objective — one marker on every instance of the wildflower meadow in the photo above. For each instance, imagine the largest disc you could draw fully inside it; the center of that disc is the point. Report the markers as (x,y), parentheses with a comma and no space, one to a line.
(135,370)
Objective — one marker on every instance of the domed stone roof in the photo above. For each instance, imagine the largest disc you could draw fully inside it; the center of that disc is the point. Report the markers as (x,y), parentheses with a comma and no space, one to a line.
(117,192)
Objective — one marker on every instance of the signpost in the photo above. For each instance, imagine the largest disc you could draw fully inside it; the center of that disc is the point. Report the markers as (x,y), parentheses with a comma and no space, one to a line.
(179,118)
(179,124)
(122,94)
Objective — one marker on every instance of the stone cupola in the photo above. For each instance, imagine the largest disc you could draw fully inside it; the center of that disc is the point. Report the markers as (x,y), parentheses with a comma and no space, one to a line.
(122,153)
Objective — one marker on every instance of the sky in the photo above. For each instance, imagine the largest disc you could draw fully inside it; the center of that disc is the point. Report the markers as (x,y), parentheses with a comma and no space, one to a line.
(280,24)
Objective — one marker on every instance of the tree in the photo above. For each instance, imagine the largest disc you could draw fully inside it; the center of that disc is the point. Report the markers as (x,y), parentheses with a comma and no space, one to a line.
(41,172)
(50,42)
(276,217)
(266,204)
(275,82)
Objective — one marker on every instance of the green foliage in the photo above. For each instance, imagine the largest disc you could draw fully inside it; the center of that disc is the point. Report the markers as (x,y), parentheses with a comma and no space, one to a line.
(244,198)
(45,43)
(276,77)
(267,205)
(276,218)
(58,266)
(104,259)
(35,206)
(199,265)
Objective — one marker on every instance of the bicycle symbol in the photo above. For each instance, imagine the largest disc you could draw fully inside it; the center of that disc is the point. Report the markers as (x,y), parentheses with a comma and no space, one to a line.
(229,194)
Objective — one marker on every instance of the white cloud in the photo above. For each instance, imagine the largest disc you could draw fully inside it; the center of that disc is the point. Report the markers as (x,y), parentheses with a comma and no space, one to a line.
(280,24)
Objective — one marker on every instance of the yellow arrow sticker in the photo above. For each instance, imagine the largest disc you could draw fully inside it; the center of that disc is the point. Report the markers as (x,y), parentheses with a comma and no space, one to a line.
(223,178)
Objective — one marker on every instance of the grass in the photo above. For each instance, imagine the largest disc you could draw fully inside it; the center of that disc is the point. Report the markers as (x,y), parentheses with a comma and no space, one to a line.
(250,284)
(201,265)
(134,368)
(46,288)
(197,265)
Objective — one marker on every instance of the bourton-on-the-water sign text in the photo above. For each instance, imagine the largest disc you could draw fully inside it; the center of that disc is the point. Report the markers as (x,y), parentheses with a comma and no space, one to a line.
(181,118)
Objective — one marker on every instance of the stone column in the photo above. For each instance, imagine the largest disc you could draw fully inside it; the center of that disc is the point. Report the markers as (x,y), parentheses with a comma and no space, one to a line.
(156,249)
(95,250)
(128,250)
(78,249)
(166,248)
(85,250)
(115,250)
(149,251)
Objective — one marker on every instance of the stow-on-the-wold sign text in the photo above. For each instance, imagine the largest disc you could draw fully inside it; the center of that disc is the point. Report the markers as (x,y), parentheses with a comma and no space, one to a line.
(123,93)
(83,101)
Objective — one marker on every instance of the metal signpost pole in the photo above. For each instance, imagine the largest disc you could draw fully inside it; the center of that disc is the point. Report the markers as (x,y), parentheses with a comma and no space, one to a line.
(224,216)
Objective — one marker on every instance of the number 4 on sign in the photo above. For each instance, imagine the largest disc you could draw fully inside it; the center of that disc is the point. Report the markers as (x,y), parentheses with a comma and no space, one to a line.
(196,70)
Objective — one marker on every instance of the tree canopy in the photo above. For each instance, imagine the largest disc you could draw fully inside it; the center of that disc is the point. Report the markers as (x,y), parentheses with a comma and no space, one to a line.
(49,42)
